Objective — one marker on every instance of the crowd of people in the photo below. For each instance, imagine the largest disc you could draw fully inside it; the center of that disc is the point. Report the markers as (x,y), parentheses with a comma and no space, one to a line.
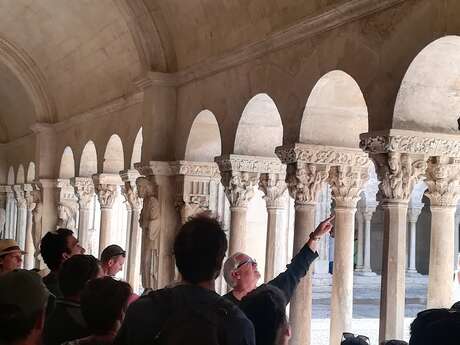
(80,302)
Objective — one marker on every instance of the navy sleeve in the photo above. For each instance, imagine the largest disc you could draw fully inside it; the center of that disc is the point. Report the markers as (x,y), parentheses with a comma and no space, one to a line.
(288,280)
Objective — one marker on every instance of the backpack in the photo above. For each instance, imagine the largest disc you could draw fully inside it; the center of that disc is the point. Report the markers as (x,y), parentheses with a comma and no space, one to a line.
(201,324)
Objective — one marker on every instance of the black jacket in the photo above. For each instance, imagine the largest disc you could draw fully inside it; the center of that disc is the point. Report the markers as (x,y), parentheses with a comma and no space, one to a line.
(288,280)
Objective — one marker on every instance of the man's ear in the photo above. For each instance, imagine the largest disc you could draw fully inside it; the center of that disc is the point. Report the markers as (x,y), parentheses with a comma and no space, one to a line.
(236,274)
(65,256)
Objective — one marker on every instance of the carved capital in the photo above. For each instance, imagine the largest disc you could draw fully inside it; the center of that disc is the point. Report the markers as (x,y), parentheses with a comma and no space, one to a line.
(106,194)
(84,189)
(239,186)
(442,179)
(129,191)
(368,212)
(273,186)
(347,183)
(398,173)
(305,181)
(413,213)
(20,197)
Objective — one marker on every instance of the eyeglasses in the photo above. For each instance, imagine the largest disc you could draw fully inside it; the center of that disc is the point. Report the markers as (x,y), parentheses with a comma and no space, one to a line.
(247,261)
(346,336)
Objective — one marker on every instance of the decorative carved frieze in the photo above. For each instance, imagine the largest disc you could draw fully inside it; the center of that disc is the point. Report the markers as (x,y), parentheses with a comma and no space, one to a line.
(273,186)
(429,144)
(305,181)
(250,164)
(398,173)
(189,168)
(319,154)
(442,179)
(346,183)
(84,190)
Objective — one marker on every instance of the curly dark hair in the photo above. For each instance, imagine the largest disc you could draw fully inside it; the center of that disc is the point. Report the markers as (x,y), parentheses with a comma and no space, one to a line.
(76,272)
(53,245)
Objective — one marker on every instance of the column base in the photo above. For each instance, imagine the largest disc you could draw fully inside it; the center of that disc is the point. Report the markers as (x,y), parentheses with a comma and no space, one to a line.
(362,279)
(413,273)
(321,279)
(364,272)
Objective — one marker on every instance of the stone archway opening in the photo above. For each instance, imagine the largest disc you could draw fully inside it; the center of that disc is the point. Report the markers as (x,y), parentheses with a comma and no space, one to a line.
(113,157)
(67,167)
(88,160)
(20,177)
(204,141)
(137,149)
(30,173)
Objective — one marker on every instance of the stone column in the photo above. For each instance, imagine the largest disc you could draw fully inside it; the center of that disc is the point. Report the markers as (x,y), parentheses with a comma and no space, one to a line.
(443,175)
(273,186)
(399,165)
(306,173)
(360,254)
(21,215)
(368,212)
(84,190)
(2,212)
(133,204)
(346,184)
(29,261)
(412,215)
(106,187)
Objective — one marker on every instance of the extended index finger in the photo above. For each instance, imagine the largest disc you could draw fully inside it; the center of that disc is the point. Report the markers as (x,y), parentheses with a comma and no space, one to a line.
(330,218)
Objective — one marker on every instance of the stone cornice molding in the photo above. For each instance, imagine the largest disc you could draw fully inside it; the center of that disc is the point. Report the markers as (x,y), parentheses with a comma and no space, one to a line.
(309,26)
(443,181)
(404,141)
(129,175)
(107,179)
(93,114)
(320,154)
(30,76)
(252,164)
(153,168)
(186,168)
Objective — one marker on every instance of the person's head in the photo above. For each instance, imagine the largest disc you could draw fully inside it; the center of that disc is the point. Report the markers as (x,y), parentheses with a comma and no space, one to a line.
(199,249)
(23,299)
(240,272)
(145,188)
(10,256)
(354,339)
(112,260)
(103,304)
(75,273)
(57,246)
(266,308)
(435,326)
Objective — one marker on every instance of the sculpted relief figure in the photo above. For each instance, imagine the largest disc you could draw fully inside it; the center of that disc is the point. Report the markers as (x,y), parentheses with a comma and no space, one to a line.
(150,223)
(67,216)
(37,212)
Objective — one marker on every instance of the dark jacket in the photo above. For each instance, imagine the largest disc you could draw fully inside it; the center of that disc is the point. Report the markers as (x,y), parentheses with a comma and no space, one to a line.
(52,284)
(152,315)
(288,280)
(64,324)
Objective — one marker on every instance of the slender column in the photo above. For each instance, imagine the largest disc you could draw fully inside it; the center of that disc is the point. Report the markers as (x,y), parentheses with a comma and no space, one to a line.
(84,189)
(3,208)
(360,254)
(304,182)
(456,236)
(239,188)
(106,194)
(367,239)
(398,173)
(133,204)
(273,186)
(443,176)
(9,232)
(21,215)
(29,261)
(346,184)
(412,216)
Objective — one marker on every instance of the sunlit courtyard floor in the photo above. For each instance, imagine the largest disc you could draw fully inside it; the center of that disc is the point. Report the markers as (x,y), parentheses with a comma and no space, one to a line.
(365,307)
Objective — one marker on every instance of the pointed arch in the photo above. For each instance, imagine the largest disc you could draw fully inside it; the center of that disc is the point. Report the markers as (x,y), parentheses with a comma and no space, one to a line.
(31,172)
(260,129)
(335,113)
(204,142)
(137,149)
(20,177)
(113,156)
(11,176)
(67,167)
(88,160)
(429,97)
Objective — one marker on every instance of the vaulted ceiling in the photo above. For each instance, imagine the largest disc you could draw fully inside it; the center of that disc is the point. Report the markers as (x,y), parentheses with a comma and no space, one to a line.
(60,58)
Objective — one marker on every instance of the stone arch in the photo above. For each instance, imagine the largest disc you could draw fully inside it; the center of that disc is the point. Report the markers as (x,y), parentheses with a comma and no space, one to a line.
(67,166)
(113,156)
(204,142)
(335,113)
(137,149)
(429,97)
(31,172)
(11,177)
(20,177)
(260,129)
(88,160)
